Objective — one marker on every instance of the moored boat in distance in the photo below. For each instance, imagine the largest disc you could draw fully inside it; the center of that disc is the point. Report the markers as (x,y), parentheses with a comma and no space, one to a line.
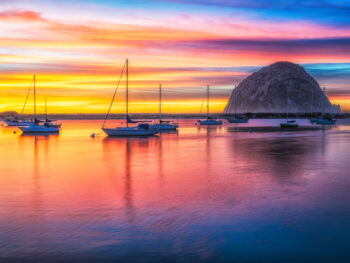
(325,120)
(36,127)
(237,119)
(163,125)
(209,120)
(291,124)
(13,122)
(142,129)
(40,128)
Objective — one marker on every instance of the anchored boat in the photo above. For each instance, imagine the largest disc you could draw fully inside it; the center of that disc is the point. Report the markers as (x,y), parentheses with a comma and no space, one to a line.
(324,120)
(163,125)
(291,124)
(142,129)
(237,119)
(209,120)
(18,121)
(40,126)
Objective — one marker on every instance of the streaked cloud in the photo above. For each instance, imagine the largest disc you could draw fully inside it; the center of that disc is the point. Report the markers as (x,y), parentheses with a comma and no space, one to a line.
(78,56)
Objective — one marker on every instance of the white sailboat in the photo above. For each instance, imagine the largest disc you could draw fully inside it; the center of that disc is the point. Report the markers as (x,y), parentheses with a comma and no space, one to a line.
(142,129)
(324,120)
(237,119)
(163,125)
(36,126)
(18,121)
(289,123)
(209,120)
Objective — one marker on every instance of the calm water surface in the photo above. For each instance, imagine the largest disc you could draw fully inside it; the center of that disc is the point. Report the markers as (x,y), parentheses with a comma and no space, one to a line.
(199,195)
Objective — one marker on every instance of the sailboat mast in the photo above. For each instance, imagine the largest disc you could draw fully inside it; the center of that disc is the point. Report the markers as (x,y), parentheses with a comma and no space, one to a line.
(34,99)
(127,92)
(45,109)
(287,107)
(324,101)
(312,101)
(235,103)
(160,103)
(207,101)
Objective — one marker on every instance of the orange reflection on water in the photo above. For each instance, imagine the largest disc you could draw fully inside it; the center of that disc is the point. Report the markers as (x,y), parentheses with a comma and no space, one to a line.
(67,192)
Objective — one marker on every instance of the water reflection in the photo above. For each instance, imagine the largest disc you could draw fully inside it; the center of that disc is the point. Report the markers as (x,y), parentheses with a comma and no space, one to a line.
(202,194)
(282,156)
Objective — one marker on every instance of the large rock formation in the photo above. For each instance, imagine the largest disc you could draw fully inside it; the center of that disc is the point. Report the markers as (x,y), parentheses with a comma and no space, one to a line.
(267,89)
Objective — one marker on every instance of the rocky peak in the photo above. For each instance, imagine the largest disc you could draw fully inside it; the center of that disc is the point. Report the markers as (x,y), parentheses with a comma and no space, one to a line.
(267,90)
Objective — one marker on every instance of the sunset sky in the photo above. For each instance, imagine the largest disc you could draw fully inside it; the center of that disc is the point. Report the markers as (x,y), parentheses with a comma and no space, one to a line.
(77,49)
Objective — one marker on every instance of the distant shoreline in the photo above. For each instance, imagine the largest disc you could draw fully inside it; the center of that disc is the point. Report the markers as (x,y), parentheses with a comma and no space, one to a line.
(168,116)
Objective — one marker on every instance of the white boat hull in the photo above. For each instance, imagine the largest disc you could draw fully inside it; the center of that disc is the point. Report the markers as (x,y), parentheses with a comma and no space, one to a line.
(210,122)
(39,129)
(132,131)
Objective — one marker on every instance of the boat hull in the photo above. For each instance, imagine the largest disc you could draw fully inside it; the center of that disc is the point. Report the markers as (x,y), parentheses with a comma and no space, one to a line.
(39,129)
(314,120)
(238,120)
(210,122)
(326,122)
(17,124)
(129,132)
(289,125)
(164,127)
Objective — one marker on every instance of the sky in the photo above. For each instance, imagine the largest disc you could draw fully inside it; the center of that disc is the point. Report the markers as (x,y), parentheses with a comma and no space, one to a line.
(77,50)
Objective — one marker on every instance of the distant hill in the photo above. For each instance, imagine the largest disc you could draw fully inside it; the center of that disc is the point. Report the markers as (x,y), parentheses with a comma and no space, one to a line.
(5,114)
(267,89)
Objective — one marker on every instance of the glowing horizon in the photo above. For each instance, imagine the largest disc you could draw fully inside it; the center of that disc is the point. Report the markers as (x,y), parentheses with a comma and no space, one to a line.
(77,58)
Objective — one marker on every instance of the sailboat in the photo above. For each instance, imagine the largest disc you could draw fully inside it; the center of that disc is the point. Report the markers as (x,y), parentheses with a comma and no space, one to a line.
(237,119)
(141,129)
(311,119)
(163,125)
(50,123)
(288,123)
(324,120)
(209,120)
(36,127)
(17,121)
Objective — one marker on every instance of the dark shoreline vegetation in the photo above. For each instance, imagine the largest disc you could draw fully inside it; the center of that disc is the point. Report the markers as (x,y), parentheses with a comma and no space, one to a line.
(87,116)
